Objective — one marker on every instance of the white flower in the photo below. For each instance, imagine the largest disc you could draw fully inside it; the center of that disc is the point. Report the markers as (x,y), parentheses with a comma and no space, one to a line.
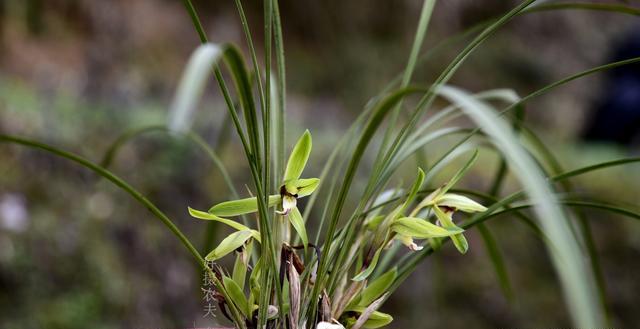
(408,242)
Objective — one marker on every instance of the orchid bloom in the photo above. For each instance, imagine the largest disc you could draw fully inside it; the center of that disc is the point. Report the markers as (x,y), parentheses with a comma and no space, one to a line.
(292,188)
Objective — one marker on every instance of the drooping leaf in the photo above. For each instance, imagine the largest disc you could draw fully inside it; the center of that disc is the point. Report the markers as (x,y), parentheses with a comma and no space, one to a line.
(422,229)
(237,296)
(298,224)
(460,202)
(298,158)
(232,242)
(207,216)
(192,86)
(240,207)
(458,239)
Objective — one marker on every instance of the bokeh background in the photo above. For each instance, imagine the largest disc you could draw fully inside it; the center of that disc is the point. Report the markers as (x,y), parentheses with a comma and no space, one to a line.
(75,252)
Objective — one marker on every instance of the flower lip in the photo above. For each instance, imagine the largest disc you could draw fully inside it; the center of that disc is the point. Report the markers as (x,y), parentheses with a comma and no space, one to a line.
(289,201)
(447,209)
(284,192)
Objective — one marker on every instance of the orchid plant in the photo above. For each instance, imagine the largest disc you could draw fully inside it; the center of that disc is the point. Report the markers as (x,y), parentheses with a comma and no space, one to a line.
(358,307)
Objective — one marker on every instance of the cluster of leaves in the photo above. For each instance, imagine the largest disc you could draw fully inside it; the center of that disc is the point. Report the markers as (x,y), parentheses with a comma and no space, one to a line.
(359,305)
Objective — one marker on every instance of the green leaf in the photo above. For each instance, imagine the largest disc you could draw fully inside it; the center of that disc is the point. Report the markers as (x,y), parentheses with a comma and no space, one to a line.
(237,295)
(207,216)
(230,243)
(565,250)
(414,191)
(306,186)
(298,224)
(366,272)
(459,202)
(458,239)
(421,229)
(378,287)
(458,175)
(298,158)
(496,260)
(240,207)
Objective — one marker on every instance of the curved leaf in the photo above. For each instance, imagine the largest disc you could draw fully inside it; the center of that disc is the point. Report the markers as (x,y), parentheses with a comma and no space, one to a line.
(192,85)
(579,286)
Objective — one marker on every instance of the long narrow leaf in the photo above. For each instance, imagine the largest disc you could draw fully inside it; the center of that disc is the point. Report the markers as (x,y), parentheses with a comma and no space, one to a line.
(577,283)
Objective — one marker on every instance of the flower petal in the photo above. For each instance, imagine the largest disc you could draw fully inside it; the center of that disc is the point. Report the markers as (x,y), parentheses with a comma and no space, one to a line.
(458,239)
(288,203)
(240,207)
(306,186)
(421,229)
(460,202)
(230,243)
(298,158)
(298,224)
(207,216)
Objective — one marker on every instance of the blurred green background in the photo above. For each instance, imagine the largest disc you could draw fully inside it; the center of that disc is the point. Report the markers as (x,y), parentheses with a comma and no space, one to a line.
(75,252)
